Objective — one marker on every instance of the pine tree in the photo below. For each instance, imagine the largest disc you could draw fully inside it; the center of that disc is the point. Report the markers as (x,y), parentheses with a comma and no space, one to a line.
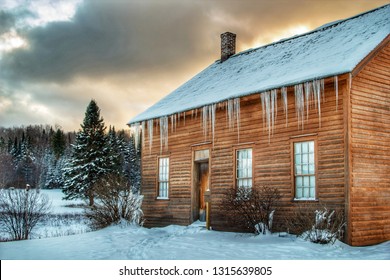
(89,161)
(58,143)
(133,165)
(116,143)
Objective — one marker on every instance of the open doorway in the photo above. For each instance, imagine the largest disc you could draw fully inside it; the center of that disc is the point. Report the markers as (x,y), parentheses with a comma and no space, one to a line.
(201,181)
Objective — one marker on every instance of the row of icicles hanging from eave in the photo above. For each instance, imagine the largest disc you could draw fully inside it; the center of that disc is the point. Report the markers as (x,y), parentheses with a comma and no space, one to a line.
(308,95)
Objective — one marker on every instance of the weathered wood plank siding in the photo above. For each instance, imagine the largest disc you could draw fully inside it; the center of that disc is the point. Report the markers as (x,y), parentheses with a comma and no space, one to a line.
(272,157)
(370,150)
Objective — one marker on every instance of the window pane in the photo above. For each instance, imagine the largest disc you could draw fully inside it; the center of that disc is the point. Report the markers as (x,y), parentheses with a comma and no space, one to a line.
(298,190)
(244,168)
(305,147)
(297,148)
(311,158)
(311,169)
(163,177)
(298,169)
(304,164)
(312,181)
(305,169)
(298,182)
(298,158)
(311,146)
(306,182)
(306,192)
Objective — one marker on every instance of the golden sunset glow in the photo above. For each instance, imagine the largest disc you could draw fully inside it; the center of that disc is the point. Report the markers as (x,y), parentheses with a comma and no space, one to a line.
(127,55)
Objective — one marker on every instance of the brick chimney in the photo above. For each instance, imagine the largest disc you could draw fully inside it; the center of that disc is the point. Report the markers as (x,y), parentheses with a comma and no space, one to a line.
(228,45)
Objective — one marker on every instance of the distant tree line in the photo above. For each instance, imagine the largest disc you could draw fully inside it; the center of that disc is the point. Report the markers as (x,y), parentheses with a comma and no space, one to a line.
(47,157)
(30,154)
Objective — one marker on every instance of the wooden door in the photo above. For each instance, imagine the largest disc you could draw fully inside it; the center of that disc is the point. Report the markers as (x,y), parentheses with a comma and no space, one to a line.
(201,184)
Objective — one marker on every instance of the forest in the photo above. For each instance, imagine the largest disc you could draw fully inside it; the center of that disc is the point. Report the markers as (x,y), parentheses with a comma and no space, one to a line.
(39,155)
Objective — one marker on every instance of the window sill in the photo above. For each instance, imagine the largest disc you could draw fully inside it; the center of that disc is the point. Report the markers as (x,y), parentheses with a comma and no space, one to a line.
(162,198)
(305,200)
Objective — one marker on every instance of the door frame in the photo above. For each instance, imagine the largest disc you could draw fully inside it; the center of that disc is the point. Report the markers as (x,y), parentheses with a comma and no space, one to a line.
(194,178)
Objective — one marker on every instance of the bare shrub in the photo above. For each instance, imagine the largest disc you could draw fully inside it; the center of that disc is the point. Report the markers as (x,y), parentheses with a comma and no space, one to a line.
(252,208)
(21,210)
(114,202)
(317,223)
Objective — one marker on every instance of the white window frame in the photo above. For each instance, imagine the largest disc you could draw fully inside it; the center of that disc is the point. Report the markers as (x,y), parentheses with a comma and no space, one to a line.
(305,169)
(163,178)
(244,168)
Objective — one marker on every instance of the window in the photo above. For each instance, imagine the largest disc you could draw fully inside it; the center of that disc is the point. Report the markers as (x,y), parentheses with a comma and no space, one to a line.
(163,177)
(244,168)
(304,170)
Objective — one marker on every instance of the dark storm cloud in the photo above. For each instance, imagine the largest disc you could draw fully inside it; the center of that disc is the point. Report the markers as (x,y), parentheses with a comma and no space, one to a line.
(129,54)
(106,37)
(7,20)
(117,37)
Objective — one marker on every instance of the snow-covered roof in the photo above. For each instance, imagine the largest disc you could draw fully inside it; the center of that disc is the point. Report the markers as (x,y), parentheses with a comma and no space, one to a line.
(330,50)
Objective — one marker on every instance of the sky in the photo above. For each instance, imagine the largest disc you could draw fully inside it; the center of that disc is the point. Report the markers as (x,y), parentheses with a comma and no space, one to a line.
(55,56)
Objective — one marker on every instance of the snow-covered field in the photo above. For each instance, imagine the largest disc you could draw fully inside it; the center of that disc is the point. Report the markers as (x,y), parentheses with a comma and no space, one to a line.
(65,218)
(179,242)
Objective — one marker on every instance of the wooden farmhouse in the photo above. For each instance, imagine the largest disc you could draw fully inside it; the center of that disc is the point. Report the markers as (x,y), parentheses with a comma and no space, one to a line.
(309,115)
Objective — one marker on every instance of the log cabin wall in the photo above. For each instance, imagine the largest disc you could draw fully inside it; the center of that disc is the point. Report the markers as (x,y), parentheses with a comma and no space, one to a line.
(271,164)
(370,152)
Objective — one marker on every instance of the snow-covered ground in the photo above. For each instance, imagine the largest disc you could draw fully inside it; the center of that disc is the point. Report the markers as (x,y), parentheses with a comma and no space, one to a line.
(60,206)
(65,218)
(180,242)
(192,242)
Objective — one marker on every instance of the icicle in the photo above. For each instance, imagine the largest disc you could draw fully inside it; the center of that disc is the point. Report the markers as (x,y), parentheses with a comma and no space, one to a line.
(308,98)
(262,97)
(236,106)
(285,103)
(172,124)
(163,132)
(208,119)
(227,114)
(184,118)
(336,89)
(205,120)
(135,131)
(150,130)
(269,105)
(142,129)
(265,104)
(230,112)
(274,108)
(299,104)
(213,108)
(318,91)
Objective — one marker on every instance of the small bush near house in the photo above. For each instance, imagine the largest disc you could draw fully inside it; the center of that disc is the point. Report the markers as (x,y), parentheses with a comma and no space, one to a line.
(252,208)
(317,223)
(114,202)
(21,210)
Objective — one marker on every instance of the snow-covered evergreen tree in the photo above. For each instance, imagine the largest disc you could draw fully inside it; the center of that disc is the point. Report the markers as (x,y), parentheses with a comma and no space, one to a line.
(58,143)
(116,150)
(90,158)
(132,165)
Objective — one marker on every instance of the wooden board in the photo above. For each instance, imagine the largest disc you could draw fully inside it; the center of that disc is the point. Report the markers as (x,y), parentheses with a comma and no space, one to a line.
(370,152)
